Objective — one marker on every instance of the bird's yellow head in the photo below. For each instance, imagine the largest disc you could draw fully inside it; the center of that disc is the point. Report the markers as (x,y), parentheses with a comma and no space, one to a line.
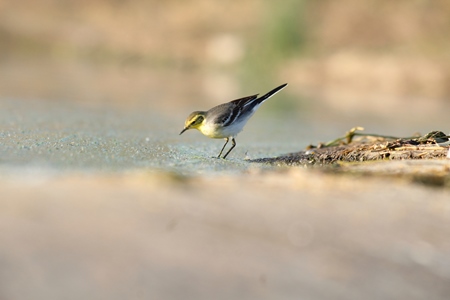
(194,121)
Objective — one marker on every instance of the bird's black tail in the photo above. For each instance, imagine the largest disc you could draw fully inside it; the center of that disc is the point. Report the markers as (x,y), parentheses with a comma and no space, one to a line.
(271,93)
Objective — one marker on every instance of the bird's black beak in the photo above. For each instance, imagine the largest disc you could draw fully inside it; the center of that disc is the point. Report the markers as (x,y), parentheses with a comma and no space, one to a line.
(183,130)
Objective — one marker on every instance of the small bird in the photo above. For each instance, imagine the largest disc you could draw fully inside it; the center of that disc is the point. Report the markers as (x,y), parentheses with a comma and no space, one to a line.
(226,120)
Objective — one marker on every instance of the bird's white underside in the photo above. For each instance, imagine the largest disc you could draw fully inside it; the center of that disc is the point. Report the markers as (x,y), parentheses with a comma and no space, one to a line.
(210,129)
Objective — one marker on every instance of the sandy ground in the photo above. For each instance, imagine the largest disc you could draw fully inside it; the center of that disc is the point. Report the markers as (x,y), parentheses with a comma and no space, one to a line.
(94,206)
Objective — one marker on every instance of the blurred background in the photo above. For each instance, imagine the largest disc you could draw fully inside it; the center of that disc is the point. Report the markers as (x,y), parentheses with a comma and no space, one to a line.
(385,63)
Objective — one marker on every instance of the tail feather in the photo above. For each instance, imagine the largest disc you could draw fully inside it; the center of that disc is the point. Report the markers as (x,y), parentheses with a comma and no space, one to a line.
(271,93)
(248,105)
(254,103)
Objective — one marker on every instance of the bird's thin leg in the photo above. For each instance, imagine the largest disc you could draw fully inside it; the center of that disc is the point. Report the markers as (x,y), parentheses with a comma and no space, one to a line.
(223,148)
(233,142)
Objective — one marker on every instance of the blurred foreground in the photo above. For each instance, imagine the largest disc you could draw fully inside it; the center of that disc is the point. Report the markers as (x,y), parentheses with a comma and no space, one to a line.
(287,235)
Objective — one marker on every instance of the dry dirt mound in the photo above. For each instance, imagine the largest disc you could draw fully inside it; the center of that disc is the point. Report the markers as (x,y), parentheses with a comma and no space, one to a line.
(368,147)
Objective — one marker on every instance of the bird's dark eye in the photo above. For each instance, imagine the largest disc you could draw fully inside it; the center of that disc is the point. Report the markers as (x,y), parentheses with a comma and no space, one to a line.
(198,120)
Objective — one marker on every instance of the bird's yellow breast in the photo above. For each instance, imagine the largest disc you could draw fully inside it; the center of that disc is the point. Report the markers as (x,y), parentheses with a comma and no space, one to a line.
(211,130)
